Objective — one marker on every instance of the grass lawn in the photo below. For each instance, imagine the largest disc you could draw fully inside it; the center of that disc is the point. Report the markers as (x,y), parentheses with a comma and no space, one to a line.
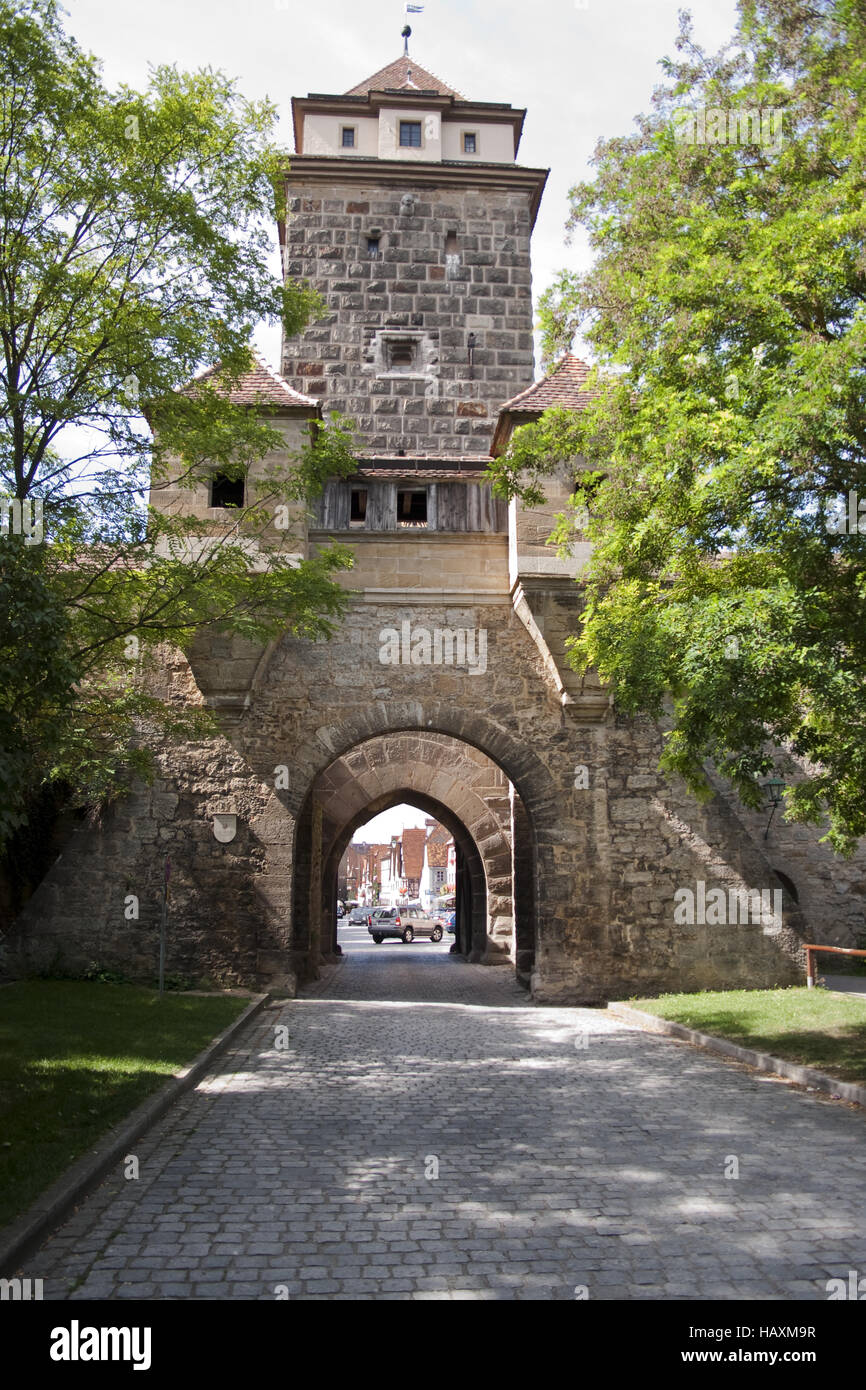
(809,1026)
(75,1058)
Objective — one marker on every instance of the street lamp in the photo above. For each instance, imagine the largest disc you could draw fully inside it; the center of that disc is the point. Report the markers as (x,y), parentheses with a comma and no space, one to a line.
(774,788)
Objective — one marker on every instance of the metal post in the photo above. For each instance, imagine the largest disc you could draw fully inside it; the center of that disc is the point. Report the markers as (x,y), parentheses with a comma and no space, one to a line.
(162,929)
(810,978)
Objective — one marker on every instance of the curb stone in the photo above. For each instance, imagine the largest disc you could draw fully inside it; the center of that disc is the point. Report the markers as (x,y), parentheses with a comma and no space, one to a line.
(26,1233)
(762,1061)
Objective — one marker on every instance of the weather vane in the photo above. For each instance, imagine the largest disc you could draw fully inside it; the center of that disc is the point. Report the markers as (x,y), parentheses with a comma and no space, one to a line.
(407,32)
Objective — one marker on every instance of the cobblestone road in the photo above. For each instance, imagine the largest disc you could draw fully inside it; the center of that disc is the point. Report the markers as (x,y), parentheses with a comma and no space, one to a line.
(571,1151)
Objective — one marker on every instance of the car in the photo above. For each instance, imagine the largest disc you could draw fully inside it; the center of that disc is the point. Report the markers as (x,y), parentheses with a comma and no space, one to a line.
(358,916)
(451,923)
(404,923)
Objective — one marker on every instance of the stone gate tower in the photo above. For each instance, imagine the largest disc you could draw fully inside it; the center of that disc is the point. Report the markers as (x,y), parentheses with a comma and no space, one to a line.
(408,213)
(447,683)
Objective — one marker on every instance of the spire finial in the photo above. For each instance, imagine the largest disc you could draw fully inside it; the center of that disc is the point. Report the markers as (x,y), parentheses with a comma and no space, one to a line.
(407,34)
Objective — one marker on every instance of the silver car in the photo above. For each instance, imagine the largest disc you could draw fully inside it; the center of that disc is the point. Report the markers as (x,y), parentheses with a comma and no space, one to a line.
(404,923)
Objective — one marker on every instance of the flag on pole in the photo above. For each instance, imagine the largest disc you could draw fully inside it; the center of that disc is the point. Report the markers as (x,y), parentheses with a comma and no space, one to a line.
(414,9)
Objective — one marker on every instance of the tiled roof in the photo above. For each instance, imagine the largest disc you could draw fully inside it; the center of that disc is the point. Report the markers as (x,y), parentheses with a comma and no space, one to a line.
(413,852)
(452,462)
(437,856)
(431,475)
(403,72)
(564,386)
(260,386)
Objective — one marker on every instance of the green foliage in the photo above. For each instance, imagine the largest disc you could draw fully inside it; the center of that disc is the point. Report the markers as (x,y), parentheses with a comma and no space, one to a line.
(725,307)
(76,1058)
(135,237)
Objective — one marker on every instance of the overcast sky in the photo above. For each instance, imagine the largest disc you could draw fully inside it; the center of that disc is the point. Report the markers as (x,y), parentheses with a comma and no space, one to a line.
(582,68)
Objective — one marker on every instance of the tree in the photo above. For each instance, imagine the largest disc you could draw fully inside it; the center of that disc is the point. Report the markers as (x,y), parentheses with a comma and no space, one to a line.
(724,458)
(134,249)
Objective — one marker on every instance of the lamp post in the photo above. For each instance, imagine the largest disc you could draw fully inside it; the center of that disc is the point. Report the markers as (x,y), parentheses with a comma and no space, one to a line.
(774,788)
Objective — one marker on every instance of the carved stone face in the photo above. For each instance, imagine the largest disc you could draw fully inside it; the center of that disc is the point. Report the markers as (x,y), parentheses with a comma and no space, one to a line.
(407,204)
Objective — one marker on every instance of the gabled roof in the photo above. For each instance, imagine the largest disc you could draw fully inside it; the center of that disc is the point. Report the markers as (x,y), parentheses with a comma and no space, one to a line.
(403,72)
(437,856)
(259,386)
(413,852)
(565,385)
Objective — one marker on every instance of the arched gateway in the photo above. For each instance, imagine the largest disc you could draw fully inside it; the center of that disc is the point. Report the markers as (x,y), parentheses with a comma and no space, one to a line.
(447,684)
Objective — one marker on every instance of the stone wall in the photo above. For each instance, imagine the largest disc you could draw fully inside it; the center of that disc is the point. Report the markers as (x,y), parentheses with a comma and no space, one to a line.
(414,295)
(606,842)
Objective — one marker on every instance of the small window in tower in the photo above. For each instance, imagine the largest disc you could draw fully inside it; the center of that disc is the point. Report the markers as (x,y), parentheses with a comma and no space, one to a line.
(226,492)
(412,507)
(373,248)
(410,134)
(347,137)
(401,356)
(470,142)
(358,509)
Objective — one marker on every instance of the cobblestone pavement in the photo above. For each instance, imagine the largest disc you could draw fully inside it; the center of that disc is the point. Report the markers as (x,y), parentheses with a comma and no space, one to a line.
(571,1151)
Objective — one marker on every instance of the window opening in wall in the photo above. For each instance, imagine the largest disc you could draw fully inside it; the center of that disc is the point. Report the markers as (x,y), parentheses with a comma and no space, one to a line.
(358,508)
(226,492)
(412,507)
(347,139)
(410,134)
(373,248)
(469,142)
(452,255)
(401,356)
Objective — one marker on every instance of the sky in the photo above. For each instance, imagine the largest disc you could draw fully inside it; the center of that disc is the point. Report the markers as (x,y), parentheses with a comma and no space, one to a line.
(583,69)
(379,830)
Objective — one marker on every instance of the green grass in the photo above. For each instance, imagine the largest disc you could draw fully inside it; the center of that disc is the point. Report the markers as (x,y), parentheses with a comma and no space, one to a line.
(809,1026)
(75,1058)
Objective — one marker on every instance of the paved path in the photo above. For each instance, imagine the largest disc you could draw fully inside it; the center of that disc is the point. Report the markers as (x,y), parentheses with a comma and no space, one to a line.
(572,1151)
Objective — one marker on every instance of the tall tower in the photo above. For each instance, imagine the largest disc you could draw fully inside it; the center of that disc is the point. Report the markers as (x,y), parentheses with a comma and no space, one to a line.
(408,213)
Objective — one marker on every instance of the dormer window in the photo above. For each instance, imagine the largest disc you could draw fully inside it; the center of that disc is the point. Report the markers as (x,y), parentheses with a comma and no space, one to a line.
(410,135)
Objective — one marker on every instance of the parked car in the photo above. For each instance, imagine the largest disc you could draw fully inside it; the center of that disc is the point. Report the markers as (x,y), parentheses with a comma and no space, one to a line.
(404,924)
(358,916)
(450,920)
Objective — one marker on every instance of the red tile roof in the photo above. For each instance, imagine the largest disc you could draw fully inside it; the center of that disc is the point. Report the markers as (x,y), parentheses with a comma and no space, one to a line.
(434,475)
(437,856)
(403,72)
(565,385)
(260,386)
(413,852)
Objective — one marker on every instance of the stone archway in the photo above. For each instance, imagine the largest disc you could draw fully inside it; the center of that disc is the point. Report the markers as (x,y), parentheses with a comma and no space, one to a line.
(453,781)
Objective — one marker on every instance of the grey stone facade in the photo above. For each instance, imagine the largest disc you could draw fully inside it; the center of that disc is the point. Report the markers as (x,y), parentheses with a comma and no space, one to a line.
(416,297)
